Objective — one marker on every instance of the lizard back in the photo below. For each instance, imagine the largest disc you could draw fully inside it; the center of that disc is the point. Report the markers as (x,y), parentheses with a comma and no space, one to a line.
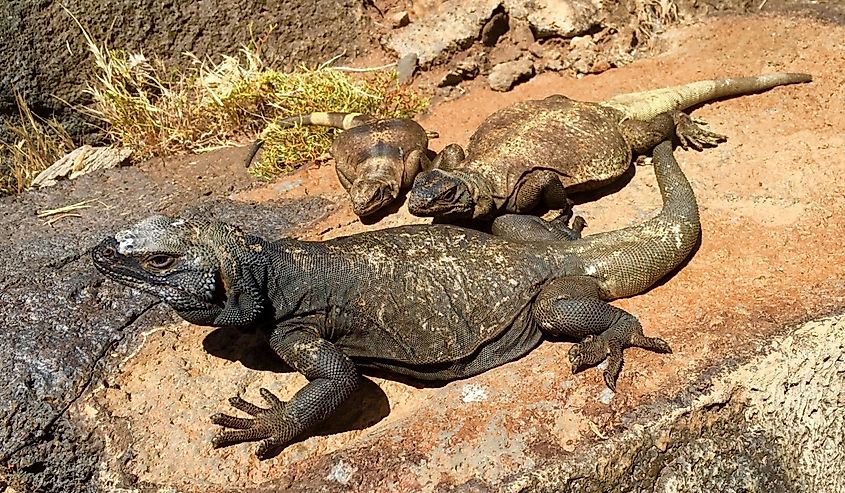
(579,141)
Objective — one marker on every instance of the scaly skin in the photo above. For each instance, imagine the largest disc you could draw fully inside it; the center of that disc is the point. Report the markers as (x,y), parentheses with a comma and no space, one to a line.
(413,300)
(532,153)
(374,158)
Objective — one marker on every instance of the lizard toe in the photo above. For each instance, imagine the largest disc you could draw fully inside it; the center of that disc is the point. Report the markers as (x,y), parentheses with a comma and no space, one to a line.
(658,345)
(270,398)
(269,448)
(590,352)
(232,421)
(578,224)
(614,367)
(226,438)
(240,404)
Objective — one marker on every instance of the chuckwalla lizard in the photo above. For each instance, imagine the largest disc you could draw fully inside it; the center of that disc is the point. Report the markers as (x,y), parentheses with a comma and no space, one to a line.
(374,157)
(534,152)
(433,302)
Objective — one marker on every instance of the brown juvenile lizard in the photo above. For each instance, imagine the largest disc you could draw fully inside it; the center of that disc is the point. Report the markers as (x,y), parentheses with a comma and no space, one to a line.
(375,158)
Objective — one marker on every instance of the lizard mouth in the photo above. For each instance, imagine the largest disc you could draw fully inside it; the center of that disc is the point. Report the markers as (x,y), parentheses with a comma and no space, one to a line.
(127,270)
(422,206)
(108,261)
(367,201)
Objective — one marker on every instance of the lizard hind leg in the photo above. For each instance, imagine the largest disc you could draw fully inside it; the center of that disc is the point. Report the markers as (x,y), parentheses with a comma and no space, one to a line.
(691,134)
(540,187)
(571,307)
(643,135)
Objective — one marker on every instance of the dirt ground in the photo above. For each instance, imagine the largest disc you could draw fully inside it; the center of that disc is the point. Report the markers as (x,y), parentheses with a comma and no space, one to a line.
(772,205)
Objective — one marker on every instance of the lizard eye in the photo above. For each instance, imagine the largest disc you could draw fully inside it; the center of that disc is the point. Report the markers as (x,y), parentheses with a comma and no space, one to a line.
(160,262)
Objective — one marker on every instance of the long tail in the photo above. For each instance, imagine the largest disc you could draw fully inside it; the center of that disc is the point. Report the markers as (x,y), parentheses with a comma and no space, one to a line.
(648,104)
(628,261)
(344,121)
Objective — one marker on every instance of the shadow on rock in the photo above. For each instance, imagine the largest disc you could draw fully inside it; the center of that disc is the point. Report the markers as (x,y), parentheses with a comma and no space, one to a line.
(249,347)
(367,405)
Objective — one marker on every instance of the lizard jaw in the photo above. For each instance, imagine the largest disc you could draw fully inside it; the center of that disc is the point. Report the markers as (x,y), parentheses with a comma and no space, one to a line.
(126,270)
(439,193)
(370,196)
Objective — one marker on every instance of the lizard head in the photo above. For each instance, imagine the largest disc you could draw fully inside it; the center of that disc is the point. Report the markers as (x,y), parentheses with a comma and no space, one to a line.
(440,193)
(196,267)
(368,196)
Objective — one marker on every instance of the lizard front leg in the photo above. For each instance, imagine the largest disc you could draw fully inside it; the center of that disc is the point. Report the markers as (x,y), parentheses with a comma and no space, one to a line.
(449,157)
(539,187)
(331,375)
(415,162)
(642,136)
(523,227)
(570,306)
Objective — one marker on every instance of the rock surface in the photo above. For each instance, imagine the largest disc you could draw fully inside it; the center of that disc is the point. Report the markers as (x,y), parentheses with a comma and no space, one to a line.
(563,18)
(45,57)
(454,25)
(751,399)
(503,76)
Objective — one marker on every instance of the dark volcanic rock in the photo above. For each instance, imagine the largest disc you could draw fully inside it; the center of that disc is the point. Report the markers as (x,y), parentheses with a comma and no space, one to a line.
(61,319)
(44,56)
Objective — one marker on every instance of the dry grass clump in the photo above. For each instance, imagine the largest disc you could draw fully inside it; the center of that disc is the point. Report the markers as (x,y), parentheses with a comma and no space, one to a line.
(37,143)
(324,89)
(158,111)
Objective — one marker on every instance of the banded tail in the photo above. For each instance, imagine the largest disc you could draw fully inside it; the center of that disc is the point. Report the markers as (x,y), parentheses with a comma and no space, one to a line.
(648,104)
(343,121)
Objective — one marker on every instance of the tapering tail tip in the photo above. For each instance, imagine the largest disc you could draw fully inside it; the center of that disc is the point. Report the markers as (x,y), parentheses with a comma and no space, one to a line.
(791,78)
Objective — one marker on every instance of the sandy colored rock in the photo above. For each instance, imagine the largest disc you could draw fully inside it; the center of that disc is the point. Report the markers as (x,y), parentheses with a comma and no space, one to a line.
(398,19)
(455,24)
(563,18)
(504,76)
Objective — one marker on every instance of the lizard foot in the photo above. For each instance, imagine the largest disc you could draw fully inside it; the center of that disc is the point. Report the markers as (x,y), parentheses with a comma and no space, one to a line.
(595,349)
(592,351)
(266,425)
(573,231)
(691,134)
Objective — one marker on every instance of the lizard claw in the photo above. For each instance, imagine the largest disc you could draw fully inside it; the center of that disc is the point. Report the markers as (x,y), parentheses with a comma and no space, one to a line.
(691,135)
(614,366)
(578,224)
(592,351)
(269,448)
(266,424)
(589,352)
